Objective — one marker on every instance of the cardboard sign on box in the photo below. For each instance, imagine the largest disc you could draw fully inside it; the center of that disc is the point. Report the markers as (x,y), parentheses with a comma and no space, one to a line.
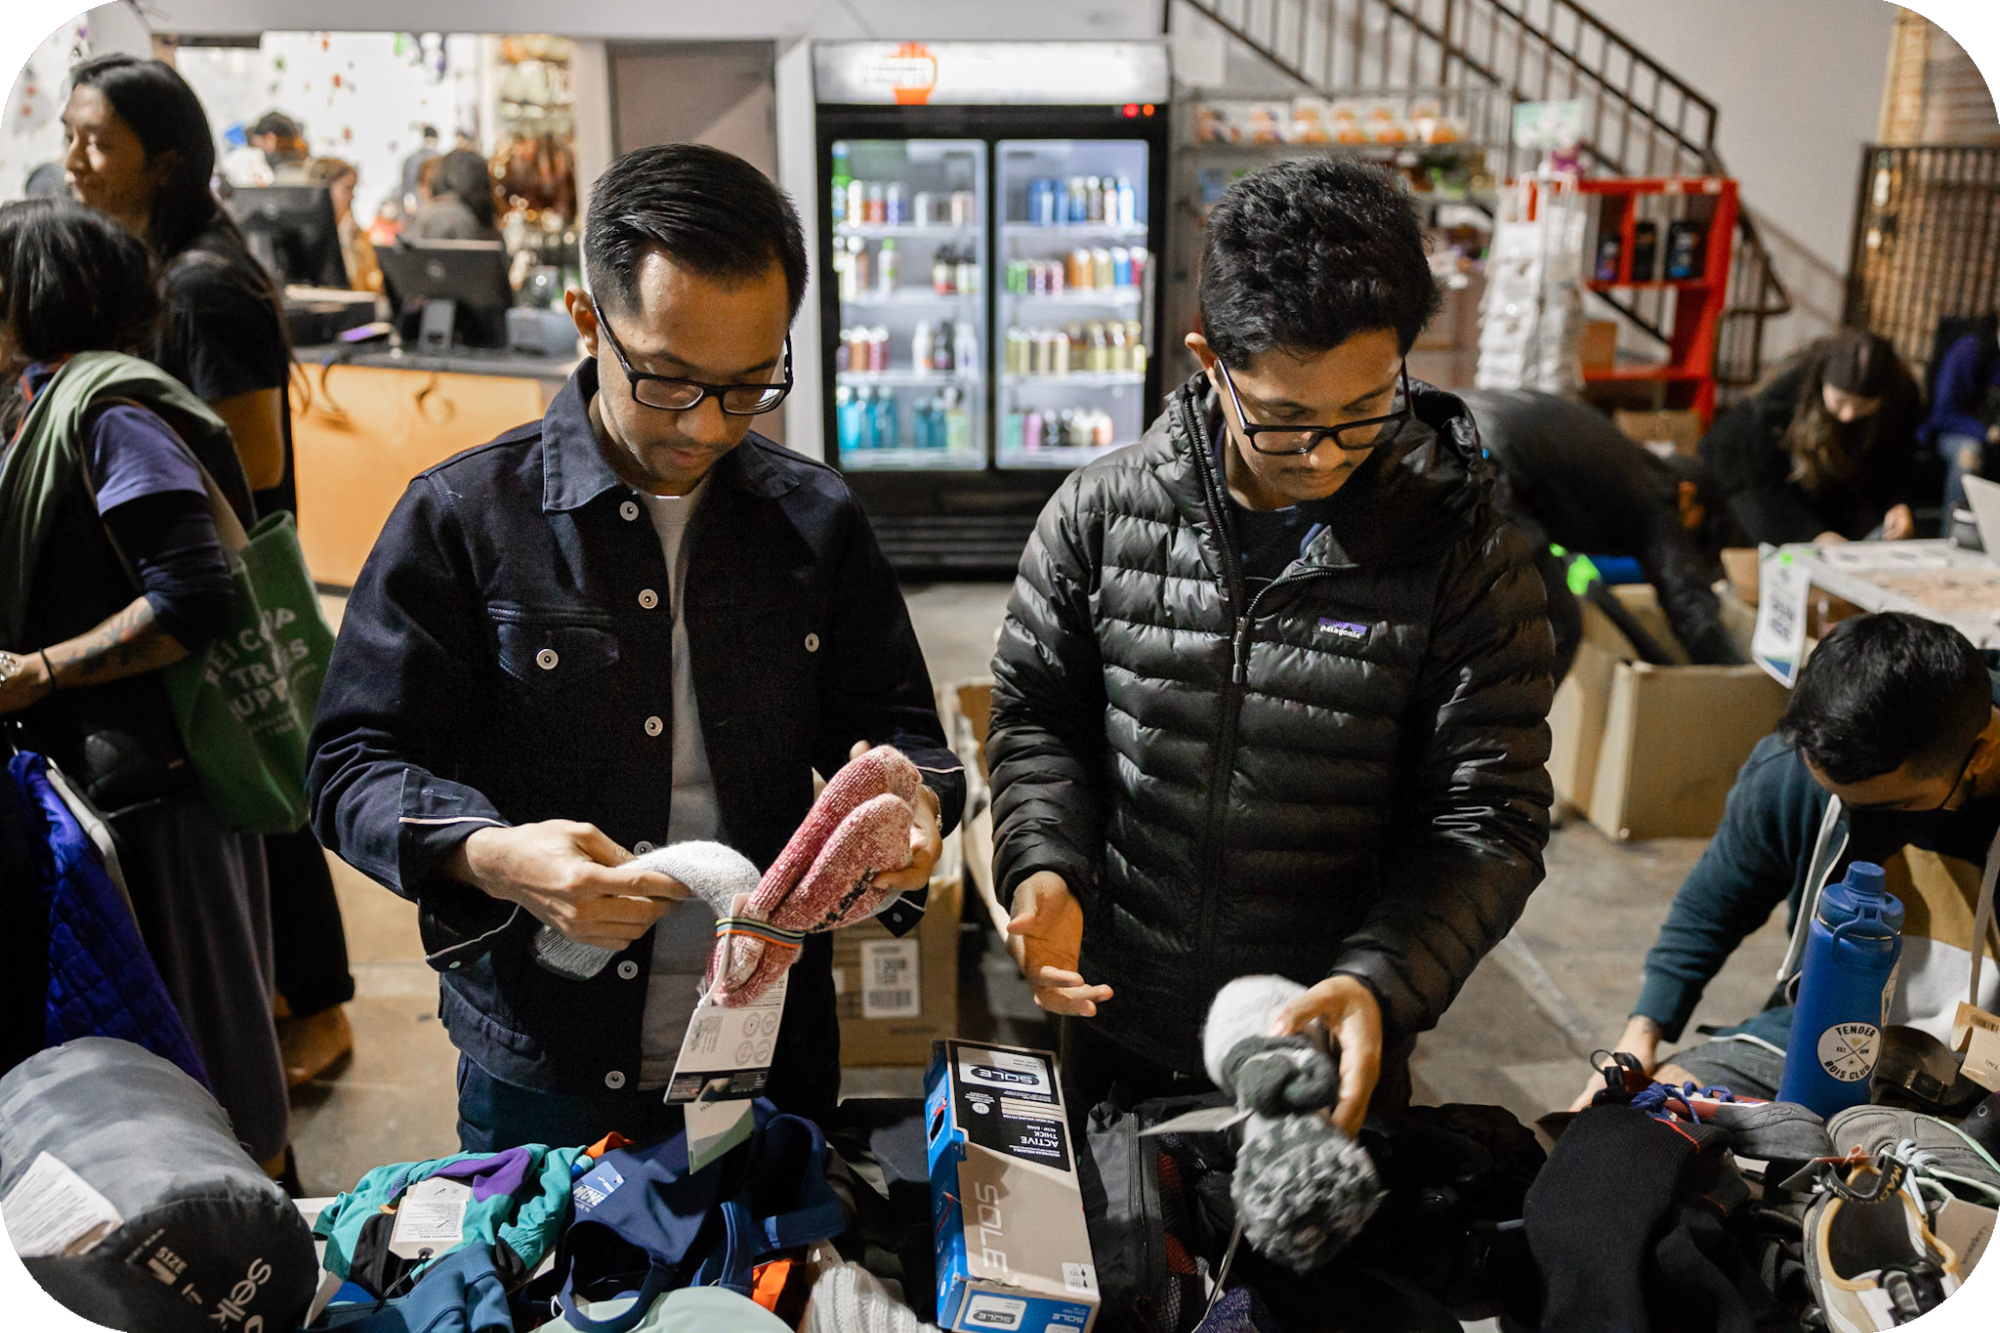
(1651,751)
(896,996)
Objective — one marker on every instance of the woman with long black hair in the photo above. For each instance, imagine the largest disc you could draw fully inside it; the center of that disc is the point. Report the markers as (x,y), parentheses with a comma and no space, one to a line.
(463,206)
(139,149)
(111,570)
(1826,450)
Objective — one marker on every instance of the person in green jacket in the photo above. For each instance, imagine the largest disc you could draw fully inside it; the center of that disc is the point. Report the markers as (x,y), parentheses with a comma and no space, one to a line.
(1889,751)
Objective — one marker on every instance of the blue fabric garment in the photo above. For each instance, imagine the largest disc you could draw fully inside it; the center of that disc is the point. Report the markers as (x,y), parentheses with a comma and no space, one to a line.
(462,1293)
(644,1223)
(1961,391)
(102,980)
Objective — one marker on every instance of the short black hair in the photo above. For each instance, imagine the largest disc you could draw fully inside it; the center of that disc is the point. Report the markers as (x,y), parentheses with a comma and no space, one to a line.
(275,122)
(72,280)
(1881,691)
(707,209)
(1305,254)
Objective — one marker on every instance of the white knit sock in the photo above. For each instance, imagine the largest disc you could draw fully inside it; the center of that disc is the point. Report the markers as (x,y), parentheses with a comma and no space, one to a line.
(1246,1007)
(847,1298)
(716,873)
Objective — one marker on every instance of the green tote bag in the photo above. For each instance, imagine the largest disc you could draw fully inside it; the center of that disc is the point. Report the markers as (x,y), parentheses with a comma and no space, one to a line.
(245,705)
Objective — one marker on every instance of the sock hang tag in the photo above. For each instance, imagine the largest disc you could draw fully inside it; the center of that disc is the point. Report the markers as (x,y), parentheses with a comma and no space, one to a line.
(727,1053)
(1975,1034)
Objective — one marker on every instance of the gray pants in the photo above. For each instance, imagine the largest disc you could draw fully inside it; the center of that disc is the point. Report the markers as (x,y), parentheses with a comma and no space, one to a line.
(203,903)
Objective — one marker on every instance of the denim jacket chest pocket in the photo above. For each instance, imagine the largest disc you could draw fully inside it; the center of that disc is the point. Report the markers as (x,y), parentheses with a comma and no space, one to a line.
(550,651)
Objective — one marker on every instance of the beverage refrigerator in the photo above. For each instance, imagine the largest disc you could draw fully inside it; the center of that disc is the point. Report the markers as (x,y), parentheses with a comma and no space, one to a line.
(989,221)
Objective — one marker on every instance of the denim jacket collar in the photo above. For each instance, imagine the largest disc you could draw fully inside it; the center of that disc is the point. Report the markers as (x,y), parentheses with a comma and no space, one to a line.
(574,471)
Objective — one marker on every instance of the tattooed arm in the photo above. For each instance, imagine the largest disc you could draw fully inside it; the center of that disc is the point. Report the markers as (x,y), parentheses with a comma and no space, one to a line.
(130,643)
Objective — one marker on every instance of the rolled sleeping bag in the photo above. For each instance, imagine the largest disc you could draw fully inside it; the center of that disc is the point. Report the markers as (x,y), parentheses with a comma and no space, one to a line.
(130,1201)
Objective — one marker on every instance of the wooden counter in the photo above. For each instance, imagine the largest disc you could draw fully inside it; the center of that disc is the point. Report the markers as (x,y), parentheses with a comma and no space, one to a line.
(367,424)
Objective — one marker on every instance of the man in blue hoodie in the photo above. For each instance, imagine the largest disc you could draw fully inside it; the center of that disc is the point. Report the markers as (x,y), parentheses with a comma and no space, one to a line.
(1964,423)
(1889,751)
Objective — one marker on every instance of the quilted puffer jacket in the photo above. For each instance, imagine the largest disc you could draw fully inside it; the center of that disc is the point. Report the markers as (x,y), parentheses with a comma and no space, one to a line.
(1343,774)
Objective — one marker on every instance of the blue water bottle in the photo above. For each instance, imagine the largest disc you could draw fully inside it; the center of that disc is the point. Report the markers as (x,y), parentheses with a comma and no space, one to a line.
(1855,938)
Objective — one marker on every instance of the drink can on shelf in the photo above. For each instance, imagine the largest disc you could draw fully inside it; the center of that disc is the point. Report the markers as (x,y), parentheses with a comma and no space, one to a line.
(1078,207)
(1093,199)
(1121,266)
(892,204)
(923,209)
(857,203)
(876,208)
(1100,265)
(1140,258)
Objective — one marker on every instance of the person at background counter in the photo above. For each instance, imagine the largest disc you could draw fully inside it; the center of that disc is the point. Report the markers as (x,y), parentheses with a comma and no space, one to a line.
(1826,450)
(1272,688)
(630,623)
(463,202)
(339,176)
(139,149)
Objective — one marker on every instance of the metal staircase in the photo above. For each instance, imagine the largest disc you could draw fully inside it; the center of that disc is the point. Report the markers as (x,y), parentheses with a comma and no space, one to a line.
(1643,120)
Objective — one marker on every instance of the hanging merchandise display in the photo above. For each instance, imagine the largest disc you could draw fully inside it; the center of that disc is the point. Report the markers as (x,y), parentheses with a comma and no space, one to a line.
(1531,336)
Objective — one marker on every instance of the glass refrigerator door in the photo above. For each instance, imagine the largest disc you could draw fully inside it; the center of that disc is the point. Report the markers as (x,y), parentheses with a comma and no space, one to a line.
(1075,262)
(909,255)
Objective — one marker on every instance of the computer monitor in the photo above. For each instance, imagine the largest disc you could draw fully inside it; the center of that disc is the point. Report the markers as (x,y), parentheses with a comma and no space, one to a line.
(292,231)
(446,291)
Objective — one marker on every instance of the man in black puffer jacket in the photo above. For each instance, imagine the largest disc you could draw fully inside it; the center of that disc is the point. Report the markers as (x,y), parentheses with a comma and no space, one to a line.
(1275,706)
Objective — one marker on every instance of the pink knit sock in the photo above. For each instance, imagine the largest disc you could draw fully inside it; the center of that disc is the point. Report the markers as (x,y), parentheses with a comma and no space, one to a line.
(858,828)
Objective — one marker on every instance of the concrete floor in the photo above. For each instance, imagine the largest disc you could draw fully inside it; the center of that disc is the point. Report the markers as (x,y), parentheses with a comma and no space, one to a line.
(1518,1036)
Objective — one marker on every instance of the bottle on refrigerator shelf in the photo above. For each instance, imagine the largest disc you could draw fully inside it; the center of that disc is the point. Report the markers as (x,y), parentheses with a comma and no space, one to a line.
(957,422)
(922,342)
(961,208)
(967,275)
(887,435)
(857,203)
(1135,348)
(1097,356)
(965,349)
(842,176)
(875,205)
(892,204)
(1139,260)
(1076,208)
(1041,201)
(843,417)
(1121,266)
(885,268)
(942,273)
(1114,334)
(1031,433)
(1100,269)
(1010,433)
(923,416)
(1128,203)
(1093,199)
(878,349)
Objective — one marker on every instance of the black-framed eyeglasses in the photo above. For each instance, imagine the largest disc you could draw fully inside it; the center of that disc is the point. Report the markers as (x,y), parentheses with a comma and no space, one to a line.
(669,394)
(1349,437)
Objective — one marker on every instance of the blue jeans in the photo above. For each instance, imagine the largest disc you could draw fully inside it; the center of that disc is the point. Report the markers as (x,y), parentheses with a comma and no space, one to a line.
(1951,446)
(493,1116)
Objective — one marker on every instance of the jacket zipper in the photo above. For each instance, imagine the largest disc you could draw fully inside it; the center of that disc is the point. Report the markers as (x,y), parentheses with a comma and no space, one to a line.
(1239,672)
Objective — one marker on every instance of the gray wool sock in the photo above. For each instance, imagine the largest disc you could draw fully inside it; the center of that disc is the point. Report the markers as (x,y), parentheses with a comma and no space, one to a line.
(1302,1188)
(716,873)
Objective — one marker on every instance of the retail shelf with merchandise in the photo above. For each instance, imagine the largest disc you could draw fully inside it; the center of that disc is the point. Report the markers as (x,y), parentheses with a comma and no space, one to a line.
(1088,379)
(897,231)
(1058,456)
(902,377)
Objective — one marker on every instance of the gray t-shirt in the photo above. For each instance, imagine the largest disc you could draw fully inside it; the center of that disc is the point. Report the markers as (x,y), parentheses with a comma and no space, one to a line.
(686,935)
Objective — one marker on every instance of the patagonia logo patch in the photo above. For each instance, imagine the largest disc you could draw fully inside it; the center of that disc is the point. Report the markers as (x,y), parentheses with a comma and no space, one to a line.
(1344,629)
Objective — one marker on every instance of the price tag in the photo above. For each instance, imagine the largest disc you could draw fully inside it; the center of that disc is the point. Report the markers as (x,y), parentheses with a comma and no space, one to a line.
(1976,1034)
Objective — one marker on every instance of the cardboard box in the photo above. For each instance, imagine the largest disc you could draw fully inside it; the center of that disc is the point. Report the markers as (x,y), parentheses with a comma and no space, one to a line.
(1599,346)
(1647,751)
(896,996)
(1013,1252)
(1678,429)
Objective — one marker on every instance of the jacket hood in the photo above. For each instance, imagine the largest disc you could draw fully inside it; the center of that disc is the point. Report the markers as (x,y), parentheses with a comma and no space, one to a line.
(1412,500)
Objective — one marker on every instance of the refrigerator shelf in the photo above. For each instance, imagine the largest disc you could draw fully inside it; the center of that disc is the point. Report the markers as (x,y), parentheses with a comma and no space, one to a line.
(1061,456)
(1082,296)
(900,231)
(919,296)
(1091,379)
(903,377)
(1110,230)
(911,460)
